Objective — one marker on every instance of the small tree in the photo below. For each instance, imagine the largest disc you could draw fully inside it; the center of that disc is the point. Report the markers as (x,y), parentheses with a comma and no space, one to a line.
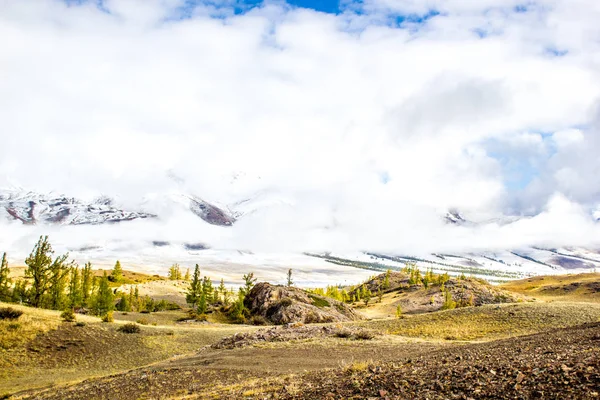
(39,263)
(207,288)
(222,290)
(195,289)
(5,281)
(123,304)
(87,281)
(117,273)
(187,275)
(449,303)
(75,296)
(175,272)
(249,281)
(399,311)
(367,297)
(103,301)
(57,282)
(386,280)
(289,278)
(202,304)
(379,295)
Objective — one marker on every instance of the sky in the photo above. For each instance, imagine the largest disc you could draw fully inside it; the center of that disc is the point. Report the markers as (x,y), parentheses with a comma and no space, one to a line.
(348,125)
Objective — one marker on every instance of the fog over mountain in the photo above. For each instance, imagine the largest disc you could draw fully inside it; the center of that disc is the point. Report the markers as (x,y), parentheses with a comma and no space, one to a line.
(273,128)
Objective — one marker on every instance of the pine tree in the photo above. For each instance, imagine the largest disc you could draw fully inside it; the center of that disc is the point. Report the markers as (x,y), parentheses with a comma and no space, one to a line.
(207,288)
(59,274)
(132,303)
(117,273)
(187,275)
(399,311)
(75,294)
(249,281)
(39,263)
(386,280)
(123,303)
(175,272)
(379,294)
(202,304)
(103,301)
(195,288)
(19,293)
(222,291)
(87,279)
(5,281)
(289,278)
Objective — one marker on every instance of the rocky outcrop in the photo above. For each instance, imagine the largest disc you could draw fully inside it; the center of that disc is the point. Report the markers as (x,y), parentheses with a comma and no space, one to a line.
(283,305)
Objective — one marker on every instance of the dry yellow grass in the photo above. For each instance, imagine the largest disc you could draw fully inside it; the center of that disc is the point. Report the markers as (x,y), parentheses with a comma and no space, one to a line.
(490,321)
(572,287)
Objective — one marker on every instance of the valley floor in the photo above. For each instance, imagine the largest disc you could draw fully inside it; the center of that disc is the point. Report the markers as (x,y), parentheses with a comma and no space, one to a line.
(541,349)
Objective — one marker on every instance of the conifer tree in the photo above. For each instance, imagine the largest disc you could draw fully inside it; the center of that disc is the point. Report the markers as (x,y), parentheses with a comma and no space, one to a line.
(59,274)
(123,304)
(207,287)
(399,311)
(202,304)
(75,293)
(174,272)
(249,281)
(117,272)
(87,279)
(5,281)
(103,301)
(187,275)
(289,278)
(19,293)
(39,263)
(386,280)
(195,288)
(132,304)
(222,290)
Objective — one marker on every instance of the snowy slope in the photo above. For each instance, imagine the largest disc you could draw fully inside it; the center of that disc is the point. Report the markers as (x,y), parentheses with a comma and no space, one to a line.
(34,208)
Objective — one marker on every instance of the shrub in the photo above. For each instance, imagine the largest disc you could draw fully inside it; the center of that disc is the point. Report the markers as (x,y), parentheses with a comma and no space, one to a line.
(286,302)
(364,335)
(318,301)
(10,313)
(201,317)
(108,317)
(343,333)
(129,328)
(79,323)
(142,321)
(13,326)
(68,316)
(258,320)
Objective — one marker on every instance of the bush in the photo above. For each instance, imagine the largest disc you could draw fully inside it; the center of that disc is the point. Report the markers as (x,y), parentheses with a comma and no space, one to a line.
(129,328)
(285,302)
(343,333)
(201,317)
(364,335)
(108,317)
(258,320)
(142,321)
(79,323)
(13,326)
(68,316)
(10,313)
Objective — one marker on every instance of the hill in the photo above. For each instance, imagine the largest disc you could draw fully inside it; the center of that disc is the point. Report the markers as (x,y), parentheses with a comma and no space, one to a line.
(572,287)
(281,305)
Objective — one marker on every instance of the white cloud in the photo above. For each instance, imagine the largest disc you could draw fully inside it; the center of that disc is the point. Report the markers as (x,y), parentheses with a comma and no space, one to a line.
(313,108)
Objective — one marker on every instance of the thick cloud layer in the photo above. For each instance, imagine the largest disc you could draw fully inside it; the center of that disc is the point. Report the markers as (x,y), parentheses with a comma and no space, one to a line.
(350,131)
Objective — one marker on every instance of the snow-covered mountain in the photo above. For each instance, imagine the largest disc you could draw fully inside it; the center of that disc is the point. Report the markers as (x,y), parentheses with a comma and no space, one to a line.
(35,208)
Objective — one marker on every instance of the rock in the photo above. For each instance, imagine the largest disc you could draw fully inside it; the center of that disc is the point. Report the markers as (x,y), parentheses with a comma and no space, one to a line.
(283,305)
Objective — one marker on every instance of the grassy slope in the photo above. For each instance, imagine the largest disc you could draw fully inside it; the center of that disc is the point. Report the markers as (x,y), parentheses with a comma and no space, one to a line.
(577,287)
(490,321)
(48,351)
